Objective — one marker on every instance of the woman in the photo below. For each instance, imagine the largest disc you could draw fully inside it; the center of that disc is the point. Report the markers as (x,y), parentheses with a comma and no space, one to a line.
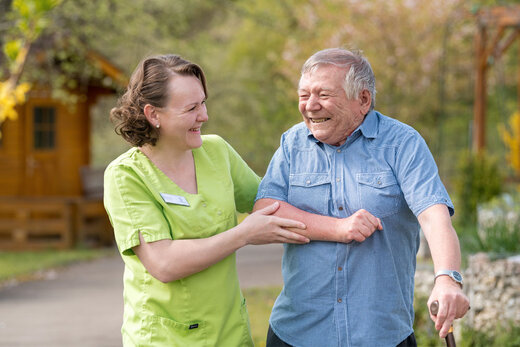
(172,201)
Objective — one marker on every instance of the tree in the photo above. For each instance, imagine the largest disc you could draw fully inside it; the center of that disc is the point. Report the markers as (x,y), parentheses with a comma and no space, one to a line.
(416,64)
(29,18)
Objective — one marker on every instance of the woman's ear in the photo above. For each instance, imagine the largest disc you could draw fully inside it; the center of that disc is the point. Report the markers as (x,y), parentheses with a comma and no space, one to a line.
(151,114)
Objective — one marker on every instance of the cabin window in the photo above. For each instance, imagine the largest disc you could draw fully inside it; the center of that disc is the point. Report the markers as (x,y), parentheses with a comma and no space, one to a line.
(44,127)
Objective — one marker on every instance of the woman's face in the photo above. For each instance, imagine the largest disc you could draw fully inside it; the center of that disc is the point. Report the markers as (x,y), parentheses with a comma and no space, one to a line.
(184,113)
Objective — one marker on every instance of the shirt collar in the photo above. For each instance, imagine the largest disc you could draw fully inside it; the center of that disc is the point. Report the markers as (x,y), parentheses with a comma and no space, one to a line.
(369,128)
(310,136)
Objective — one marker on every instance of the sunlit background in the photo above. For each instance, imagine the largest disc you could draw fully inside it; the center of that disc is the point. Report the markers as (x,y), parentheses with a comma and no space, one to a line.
(423,53)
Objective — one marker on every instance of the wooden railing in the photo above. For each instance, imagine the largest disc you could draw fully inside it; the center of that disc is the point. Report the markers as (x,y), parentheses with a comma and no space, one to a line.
(39,223)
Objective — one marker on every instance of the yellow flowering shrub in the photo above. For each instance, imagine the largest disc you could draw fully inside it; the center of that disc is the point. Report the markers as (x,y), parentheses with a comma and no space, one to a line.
(10,97)
(511,138)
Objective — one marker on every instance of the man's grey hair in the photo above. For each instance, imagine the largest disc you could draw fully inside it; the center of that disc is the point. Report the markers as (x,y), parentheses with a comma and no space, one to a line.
(359,75)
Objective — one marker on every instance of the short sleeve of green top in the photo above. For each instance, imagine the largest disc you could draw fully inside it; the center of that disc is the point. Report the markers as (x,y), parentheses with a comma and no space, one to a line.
(204,309)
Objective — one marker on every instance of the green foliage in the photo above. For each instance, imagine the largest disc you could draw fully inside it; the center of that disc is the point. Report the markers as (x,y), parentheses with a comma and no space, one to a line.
(478,180)
(252,51)
(424,328)
(27,19)
(12,49)
(260,302)
(504,335)
(32,16)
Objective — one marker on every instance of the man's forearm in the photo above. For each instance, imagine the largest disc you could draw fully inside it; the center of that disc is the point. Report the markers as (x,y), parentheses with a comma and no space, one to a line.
(442,238)
(318,227)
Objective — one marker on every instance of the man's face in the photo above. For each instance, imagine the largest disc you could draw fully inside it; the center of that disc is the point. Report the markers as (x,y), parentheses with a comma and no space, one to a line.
(323,103)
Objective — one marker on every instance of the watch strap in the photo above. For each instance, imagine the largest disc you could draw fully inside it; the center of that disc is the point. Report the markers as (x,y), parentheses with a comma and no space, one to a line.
(453,274)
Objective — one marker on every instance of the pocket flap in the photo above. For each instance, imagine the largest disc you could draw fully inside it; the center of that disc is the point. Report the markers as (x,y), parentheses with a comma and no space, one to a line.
(183,329)
(377,179)
(309,180)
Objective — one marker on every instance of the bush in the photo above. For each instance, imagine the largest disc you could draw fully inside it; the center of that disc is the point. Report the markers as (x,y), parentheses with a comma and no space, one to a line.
(423,326)
(503,336)
(478,180)
(499,225)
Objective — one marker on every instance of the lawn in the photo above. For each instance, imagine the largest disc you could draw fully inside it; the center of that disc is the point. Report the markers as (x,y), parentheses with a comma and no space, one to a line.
(23,265)
(260,301)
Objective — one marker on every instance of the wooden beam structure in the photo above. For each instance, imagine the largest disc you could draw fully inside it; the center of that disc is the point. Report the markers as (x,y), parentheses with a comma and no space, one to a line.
(492,22)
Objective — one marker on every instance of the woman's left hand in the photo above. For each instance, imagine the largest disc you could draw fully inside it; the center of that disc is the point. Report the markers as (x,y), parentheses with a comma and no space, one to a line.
(262,227)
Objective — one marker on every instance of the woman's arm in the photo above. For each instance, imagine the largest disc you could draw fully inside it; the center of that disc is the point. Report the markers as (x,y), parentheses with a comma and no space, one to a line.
(170,260)
(357,227)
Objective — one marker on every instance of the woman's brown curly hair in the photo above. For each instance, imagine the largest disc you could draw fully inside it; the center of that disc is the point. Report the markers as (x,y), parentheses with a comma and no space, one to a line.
(149,85)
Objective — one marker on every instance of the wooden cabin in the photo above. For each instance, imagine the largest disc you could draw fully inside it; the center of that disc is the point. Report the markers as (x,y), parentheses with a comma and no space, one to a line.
(49,196)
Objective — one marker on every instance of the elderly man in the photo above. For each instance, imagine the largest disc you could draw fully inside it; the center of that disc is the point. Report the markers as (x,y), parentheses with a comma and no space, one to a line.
(364,184)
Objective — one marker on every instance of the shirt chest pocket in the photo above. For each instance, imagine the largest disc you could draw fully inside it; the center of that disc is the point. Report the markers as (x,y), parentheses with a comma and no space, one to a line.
(379,193)
(310,192)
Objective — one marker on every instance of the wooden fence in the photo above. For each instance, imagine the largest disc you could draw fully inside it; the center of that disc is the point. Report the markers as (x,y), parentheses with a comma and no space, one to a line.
(52,222)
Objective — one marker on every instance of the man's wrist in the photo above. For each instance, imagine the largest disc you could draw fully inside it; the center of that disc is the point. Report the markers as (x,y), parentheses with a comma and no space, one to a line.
(454,275)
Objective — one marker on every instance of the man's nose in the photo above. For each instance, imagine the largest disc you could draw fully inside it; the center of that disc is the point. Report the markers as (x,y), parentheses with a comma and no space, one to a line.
(313,103)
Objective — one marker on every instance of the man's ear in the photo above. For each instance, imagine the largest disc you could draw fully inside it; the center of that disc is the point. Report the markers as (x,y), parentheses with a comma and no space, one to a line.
(365,100)
(151,114)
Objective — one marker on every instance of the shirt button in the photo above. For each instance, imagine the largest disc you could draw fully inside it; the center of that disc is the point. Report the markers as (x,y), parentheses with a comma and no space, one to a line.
(340,208)
(308,182)
(379,182)
(338,179)
(340,268)
(339,151)
(339,300)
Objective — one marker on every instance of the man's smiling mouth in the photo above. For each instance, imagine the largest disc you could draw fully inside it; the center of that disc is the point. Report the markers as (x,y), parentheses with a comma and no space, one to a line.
(318,120)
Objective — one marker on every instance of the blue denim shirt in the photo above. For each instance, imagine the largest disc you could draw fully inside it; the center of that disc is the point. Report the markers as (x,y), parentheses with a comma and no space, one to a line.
(356,294)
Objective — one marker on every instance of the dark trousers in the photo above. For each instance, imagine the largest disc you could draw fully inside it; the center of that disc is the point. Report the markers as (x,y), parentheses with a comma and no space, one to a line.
(274,341)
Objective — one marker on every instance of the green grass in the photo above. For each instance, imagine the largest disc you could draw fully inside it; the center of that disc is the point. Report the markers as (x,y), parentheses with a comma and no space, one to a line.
(22,265)
(260,301)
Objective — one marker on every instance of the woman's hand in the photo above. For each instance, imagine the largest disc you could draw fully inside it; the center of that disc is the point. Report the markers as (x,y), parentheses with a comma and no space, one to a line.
(262,227)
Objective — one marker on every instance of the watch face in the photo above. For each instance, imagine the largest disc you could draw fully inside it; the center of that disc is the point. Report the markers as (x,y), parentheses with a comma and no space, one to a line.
(457,276)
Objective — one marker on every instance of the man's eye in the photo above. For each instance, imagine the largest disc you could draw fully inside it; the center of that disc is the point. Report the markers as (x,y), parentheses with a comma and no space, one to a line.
(304,96)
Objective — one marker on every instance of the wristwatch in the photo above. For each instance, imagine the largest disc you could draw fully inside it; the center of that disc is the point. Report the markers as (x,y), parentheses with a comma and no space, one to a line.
(455,275)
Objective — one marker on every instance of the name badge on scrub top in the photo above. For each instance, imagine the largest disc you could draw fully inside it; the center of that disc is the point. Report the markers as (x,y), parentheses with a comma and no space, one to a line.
(175,199)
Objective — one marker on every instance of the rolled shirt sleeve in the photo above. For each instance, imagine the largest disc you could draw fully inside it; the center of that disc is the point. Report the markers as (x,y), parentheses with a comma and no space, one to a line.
(418,175)
(132,209)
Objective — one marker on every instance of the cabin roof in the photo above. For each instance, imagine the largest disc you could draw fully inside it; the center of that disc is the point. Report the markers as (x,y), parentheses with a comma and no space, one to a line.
(50,54)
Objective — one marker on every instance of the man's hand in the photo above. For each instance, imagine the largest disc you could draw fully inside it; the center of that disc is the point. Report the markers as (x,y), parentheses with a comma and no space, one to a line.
(453,303)
(357,227)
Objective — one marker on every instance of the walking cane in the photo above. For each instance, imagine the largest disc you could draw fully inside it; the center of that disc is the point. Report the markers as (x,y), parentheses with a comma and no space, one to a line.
(450,339)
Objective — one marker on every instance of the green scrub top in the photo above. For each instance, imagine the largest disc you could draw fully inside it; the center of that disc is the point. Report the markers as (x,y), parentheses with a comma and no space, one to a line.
(206,308)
